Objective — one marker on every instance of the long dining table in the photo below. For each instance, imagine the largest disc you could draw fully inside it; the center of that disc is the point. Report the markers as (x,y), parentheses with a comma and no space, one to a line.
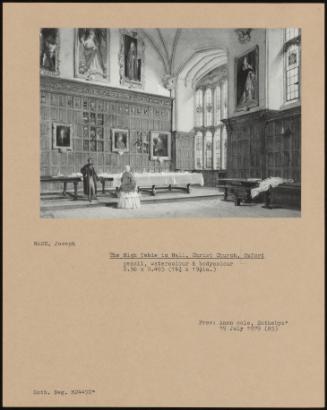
(154,181)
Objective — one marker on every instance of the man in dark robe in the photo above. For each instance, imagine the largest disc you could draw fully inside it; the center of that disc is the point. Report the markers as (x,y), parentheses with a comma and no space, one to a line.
(89,180)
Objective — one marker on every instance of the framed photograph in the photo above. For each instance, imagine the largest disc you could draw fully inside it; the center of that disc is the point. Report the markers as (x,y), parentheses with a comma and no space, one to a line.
(62,136)
(92,53)
(160,145)
(247,79)
(131,59)
(120,140)
(49,51)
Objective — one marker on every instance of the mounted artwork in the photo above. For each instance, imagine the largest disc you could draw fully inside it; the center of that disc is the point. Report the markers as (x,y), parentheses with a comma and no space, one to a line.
(131,59)
(62,136)
(49,51)
(142,144)
(92,53)
(160,145)
(120,140)
(247,80)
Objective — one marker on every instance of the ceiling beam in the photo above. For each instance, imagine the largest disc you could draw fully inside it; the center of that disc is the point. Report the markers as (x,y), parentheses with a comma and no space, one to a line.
(163,45)
(198,53)
(173,51)
(156,48)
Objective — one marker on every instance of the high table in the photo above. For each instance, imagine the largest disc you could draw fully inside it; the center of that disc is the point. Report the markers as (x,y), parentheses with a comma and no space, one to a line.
(65,179)
(153,181)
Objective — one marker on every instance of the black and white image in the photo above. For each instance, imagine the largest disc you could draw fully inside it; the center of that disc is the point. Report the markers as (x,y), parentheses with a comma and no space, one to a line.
(170,123)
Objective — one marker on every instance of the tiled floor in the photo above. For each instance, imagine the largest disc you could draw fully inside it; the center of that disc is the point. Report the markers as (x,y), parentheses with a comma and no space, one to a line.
(213,207)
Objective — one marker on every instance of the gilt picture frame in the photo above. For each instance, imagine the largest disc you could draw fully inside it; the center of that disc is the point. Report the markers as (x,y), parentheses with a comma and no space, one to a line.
(160,145)
(120,140)
(62,138)
(247,80)
(131,59)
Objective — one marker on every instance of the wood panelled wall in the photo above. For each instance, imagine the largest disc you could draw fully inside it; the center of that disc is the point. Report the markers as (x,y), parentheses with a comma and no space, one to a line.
(67,101)
(265,143)
(283,144)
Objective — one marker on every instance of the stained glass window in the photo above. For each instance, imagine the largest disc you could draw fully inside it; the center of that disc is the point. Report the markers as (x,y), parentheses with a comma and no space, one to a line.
(292,63)
(198,150)
(224,148)
(210,141)
(208,150)
(291,33)
(208,107)
(217,149)
(199,108)
(217,105)
(292,72)
(224,99)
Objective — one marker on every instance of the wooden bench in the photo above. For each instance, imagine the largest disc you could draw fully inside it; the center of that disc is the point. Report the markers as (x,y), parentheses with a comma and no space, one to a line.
(240,188)
(154,188)
(65,180)
(240,193)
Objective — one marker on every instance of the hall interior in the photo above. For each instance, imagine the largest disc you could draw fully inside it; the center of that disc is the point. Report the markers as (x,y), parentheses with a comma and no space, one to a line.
(208,120)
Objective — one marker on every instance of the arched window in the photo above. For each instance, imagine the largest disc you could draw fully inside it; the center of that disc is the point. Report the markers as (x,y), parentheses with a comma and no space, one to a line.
(198,149)
(224,99)
(292,51)
(224,148)
(208,107)
(217,149)
(208,150)
(291,32)
(211,106)
(217,104)
(199,108)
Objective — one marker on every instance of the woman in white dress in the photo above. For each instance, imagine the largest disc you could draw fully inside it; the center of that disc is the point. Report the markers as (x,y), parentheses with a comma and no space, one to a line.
(129,197)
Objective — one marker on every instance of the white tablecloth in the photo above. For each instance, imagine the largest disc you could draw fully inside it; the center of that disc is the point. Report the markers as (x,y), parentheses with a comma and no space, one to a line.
(159,178)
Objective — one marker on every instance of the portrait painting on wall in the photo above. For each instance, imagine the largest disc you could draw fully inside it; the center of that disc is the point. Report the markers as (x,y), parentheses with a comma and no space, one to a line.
(62,136)
(160,145)
(247,80)
(131,58)
(92,53)
(49,51)
(120,140)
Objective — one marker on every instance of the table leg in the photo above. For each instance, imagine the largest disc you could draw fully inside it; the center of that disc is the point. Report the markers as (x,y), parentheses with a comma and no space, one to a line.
(248,195)
(268,198)
(237,201)
(75,190)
